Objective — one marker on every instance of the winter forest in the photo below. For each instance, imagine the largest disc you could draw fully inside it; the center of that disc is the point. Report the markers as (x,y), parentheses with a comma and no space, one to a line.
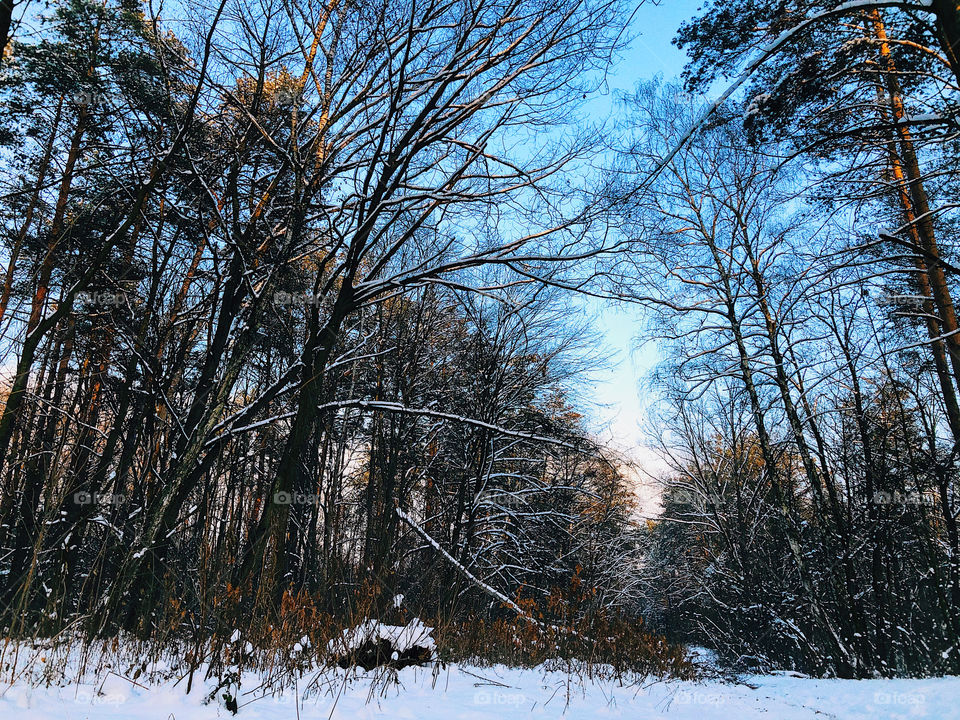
(300,334)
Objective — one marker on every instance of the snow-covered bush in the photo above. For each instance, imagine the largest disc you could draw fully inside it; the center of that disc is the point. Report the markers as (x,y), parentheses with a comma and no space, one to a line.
(373,644)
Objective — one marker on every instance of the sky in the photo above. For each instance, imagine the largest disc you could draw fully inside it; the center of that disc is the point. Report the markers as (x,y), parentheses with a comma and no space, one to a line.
(621,404)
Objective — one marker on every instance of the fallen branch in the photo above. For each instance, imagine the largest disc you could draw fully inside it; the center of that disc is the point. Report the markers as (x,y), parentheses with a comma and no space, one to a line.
(491,591)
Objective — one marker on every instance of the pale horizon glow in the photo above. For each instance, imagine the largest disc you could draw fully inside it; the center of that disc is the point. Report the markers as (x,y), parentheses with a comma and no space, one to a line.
(620,411)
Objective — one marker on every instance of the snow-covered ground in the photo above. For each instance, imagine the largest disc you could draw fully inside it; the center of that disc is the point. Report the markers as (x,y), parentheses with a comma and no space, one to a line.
(498,693)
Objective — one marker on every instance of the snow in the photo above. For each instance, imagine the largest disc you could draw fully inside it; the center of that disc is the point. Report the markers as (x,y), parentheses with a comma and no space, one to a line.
(495,693)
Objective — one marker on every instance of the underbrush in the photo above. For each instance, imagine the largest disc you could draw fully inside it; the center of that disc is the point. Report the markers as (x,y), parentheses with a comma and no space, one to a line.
(619,647)
(227,648)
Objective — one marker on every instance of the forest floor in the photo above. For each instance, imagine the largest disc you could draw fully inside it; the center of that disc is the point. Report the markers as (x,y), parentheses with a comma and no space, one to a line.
(491,693)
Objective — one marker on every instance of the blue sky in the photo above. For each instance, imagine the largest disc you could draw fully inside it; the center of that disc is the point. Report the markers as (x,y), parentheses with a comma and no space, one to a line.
(622,408)
(652,51)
